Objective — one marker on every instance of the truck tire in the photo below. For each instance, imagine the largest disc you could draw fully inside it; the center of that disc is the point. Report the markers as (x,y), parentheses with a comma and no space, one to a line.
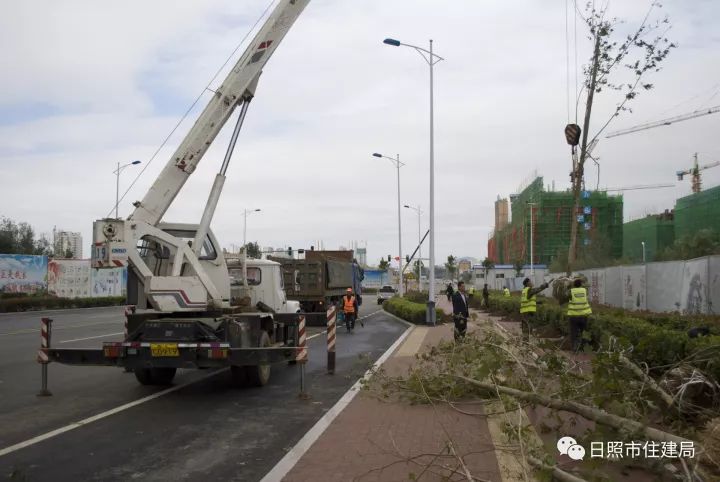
(238,375)
(162,376)
(155,376)
(259,375)
(143,376)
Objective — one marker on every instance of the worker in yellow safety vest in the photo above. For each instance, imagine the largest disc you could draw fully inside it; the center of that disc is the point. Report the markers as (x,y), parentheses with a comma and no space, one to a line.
(578,312)
(350,310)
(506,292)
(528,306)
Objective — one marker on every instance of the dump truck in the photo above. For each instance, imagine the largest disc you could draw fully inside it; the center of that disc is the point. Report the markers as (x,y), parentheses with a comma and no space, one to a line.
(188,313)
(321,278)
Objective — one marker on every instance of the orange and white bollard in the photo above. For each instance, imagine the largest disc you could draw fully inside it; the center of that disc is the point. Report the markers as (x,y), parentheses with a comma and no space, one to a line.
(43,357)
(301,356)
(331,328)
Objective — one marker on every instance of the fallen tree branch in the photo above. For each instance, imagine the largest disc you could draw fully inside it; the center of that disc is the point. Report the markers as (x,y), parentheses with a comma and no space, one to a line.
(595,414)
(557,472)
(648,379)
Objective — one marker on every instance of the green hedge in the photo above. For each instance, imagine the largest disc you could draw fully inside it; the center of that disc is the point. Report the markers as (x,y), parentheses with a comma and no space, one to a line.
(30,303)
(410,311)
(657,339)
(416,296)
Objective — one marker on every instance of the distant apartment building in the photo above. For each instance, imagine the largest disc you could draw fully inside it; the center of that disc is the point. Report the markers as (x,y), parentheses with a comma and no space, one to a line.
(68,241)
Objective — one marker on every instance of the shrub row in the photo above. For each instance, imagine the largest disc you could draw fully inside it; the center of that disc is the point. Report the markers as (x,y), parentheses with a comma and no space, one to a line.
(416,296)
(658,344)
(411,311)
(28,303)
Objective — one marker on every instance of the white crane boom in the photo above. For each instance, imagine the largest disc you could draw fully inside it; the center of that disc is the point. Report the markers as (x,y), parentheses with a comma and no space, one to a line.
(237,88)
(665,122)
(632,188)
(179,267)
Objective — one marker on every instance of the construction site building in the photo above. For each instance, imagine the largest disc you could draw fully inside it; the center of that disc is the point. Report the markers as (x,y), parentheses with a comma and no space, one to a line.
(502,214)
(599,218)
(700,210)
(657,231)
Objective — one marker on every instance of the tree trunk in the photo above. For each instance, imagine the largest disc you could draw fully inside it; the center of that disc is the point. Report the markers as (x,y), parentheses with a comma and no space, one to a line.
(579,169)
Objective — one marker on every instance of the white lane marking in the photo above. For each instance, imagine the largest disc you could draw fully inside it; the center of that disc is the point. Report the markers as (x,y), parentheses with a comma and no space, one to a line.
(91,337)
(56,328)
(102,415)
(316,334)
(286,464)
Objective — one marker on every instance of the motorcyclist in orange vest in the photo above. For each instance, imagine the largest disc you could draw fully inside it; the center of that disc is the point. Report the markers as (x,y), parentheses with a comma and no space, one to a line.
(350,309)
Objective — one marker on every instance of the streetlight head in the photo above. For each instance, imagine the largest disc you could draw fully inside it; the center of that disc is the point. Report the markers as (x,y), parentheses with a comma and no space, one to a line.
(377,154)
(257,210)
(135,162)
(406,206)
(392,41)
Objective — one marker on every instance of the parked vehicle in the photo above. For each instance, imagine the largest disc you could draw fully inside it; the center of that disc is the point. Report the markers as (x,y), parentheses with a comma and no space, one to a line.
(385,293)
(321,278)
(178,276)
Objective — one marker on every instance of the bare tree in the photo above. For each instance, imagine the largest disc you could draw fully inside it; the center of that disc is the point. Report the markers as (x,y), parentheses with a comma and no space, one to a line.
(637,55)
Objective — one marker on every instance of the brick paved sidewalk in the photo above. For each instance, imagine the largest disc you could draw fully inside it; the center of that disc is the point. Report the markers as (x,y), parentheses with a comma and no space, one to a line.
(372,440)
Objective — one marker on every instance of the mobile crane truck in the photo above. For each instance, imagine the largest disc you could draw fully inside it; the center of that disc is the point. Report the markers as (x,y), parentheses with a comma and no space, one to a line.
(178,271)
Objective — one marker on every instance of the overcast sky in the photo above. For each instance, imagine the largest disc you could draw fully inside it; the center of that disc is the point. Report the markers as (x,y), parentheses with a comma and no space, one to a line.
(86,84)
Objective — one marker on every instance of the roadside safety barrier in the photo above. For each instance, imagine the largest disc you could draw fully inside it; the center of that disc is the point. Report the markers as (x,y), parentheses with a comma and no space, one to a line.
(301,356)
(331,328)
(43,354)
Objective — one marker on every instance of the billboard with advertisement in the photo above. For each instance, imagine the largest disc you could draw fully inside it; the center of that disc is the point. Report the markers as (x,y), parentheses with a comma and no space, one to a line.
(108,282)
(21,273)
(69,278)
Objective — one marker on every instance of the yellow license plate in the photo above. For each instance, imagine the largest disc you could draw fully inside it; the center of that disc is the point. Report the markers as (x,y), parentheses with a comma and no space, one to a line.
(164,349)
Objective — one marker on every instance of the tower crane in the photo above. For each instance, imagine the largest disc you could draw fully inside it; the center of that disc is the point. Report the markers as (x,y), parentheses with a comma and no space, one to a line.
(642,186)
(665,122)
(695,171)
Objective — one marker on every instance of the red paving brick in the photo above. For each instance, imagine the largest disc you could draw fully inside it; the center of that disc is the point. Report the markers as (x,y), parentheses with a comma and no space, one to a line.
(373,440)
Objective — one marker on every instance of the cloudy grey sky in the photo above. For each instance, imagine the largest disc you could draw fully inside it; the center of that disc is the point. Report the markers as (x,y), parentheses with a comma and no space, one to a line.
(87,84)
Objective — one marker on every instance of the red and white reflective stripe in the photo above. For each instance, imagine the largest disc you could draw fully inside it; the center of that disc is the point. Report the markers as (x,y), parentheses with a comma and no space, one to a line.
(44,340)
(138,344)
(331,318)
(302,353)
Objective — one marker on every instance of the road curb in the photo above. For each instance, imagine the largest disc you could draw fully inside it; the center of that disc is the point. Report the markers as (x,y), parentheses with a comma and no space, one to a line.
(286,464)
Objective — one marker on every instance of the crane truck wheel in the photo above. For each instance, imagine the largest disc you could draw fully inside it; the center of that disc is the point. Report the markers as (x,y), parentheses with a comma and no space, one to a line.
(259,375)
(155,376)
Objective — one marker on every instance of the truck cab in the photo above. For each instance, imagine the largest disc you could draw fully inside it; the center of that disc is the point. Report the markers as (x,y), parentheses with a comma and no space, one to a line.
(264,285)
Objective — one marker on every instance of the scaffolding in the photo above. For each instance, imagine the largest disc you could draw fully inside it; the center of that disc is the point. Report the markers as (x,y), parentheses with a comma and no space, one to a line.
(600,219)
(656,231)
(700,210)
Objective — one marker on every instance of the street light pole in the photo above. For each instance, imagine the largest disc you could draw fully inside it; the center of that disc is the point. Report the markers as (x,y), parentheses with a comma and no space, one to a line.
(398,164)
(419,213)
(117,183)
(643,250)
(431,60)
(245,215)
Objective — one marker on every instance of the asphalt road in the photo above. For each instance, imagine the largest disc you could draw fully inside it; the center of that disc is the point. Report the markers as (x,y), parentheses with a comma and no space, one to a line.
(203,428)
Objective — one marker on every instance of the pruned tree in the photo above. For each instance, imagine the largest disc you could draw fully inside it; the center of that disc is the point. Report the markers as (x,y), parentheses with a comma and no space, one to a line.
(417,268)
(451,266)
(383,265)
(253,250)
(619,65)
(487,265)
